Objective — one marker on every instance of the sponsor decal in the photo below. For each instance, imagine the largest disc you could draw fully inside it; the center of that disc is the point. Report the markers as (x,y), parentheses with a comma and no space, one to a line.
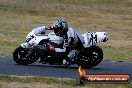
(102,78)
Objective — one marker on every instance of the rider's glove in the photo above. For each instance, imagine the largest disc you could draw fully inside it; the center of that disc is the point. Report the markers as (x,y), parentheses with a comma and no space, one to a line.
(52,49)
(49,27)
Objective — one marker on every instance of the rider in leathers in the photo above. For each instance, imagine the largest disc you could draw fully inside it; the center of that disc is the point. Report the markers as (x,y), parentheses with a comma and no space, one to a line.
(73,41)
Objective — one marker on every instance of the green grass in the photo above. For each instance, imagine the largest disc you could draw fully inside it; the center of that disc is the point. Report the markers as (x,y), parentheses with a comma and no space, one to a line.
(118,54)
(19,17)
(65,83)
(36,79)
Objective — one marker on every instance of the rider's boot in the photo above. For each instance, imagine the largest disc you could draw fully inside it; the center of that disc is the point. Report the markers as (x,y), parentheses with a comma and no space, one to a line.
(70,57)
(66,61)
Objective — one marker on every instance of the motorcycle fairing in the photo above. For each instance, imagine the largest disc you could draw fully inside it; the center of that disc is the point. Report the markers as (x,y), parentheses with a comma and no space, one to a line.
(26,45)
(92,38)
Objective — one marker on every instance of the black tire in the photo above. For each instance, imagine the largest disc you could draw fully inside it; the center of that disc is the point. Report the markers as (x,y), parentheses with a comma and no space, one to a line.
(91,57)
(19,56)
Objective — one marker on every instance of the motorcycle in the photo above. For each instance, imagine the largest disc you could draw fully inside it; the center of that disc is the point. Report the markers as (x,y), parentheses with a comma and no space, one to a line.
(90,56)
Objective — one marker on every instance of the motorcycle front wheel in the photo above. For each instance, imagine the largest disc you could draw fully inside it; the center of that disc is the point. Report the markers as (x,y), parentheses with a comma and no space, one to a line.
(19,56)
(91,57)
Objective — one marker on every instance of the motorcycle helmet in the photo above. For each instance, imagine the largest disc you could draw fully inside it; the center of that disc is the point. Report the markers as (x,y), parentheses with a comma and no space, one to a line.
(60,27)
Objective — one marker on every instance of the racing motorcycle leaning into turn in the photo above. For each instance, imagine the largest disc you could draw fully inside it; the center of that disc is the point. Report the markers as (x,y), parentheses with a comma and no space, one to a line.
(90,56)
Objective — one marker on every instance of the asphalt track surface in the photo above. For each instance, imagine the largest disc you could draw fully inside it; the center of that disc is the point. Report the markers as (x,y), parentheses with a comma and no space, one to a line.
(9,67)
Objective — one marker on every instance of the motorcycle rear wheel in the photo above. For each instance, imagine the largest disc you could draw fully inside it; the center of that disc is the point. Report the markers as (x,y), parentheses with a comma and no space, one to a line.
(91,57)
(19,56)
